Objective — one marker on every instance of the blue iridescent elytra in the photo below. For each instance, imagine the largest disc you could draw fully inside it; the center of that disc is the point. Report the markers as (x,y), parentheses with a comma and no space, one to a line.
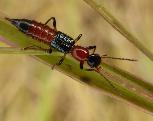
(62,42)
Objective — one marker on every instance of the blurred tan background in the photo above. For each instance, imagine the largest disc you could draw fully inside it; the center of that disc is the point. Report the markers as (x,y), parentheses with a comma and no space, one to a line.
(31,91)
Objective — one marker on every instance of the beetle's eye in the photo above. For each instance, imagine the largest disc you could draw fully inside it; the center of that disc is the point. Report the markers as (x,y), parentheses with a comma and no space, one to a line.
(94,60)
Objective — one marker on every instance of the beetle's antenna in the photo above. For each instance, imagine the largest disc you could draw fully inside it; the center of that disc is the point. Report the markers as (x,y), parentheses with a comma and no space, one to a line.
(110,83)
(128,59)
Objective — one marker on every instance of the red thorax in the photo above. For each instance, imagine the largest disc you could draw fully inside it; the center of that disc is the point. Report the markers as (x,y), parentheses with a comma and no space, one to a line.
(80,53)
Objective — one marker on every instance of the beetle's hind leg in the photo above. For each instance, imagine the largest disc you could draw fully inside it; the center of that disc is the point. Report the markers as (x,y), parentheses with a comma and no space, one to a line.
(35,47)
(54,22)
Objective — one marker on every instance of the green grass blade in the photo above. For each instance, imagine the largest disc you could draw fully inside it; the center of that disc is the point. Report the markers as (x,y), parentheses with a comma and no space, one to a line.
(119,27)
(69,67)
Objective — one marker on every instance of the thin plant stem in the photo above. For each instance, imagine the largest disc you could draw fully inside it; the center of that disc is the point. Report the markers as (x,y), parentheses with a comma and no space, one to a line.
(14,50)
(114,22)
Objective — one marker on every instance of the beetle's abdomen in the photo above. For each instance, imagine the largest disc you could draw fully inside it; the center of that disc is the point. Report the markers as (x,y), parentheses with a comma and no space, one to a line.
(62,42)
(34,29)
(41,32)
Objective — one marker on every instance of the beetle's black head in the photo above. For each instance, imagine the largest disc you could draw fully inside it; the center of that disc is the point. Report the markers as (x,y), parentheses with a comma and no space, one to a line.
(94,60)
(21,24)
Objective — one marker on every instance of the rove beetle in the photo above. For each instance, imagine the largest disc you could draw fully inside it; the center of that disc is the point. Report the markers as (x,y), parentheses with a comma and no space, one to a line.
(61,42)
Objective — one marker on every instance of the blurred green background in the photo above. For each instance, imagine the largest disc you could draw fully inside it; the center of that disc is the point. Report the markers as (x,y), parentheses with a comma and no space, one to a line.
(31,91)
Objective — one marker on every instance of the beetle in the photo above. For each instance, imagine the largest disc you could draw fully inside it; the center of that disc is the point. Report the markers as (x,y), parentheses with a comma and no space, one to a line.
(60,41)
(63,43)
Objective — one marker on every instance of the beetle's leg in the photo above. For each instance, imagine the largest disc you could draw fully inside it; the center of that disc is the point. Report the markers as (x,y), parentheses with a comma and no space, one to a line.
(54,22)
(60,61)
(35,47)
(104,55)
(80,35)
(94,69)
(89,69)
(92,47)
(81,64)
